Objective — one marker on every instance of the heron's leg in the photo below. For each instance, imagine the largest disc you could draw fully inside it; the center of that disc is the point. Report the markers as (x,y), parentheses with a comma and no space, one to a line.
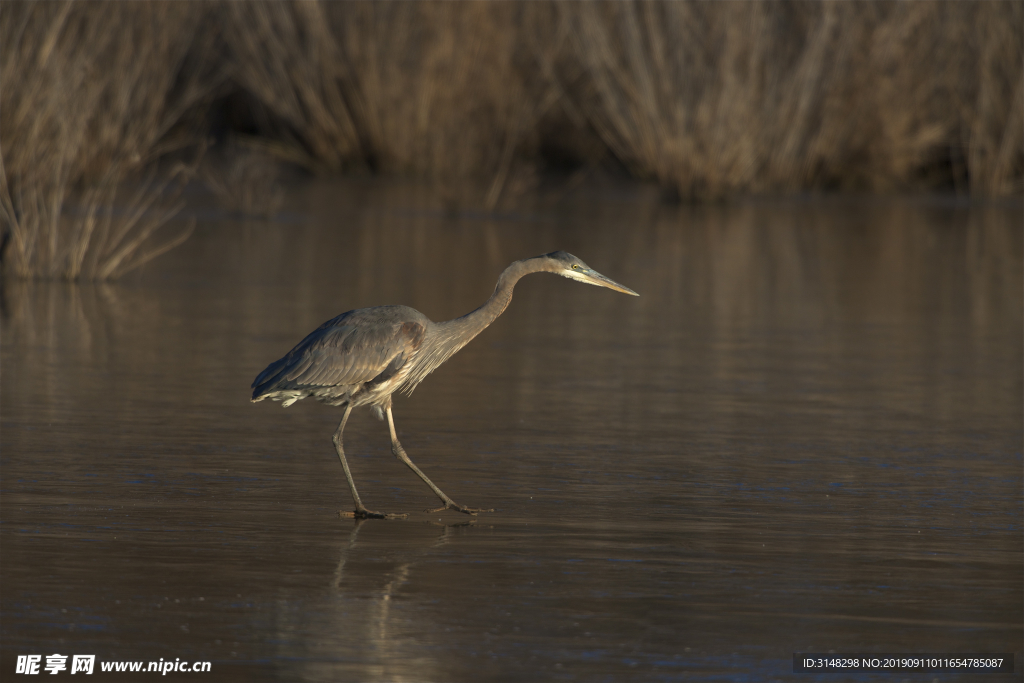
(360,512)
(397,449)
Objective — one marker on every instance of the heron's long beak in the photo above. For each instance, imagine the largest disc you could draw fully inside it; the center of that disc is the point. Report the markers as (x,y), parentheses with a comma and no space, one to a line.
(592,277)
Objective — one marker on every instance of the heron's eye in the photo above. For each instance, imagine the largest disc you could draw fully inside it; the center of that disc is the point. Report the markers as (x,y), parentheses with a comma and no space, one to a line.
(575,266)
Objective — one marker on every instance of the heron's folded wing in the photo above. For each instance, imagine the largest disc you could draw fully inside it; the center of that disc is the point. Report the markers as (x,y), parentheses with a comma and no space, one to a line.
(342,354)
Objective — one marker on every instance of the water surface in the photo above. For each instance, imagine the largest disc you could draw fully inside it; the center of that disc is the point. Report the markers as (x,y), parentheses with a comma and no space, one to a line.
(804,435)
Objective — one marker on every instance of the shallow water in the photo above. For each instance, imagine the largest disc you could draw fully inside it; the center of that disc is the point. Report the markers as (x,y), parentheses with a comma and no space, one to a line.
(804,436)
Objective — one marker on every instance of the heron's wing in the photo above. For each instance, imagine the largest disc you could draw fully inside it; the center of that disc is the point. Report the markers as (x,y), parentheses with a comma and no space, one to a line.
(344,355)
(348,350)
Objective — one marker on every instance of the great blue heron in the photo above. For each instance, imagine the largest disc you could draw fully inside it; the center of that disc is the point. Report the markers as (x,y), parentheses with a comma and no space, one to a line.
(363,356)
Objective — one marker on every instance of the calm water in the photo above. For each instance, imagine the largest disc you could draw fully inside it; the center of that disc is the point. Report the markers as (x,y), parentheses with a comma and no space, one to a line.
(805,435)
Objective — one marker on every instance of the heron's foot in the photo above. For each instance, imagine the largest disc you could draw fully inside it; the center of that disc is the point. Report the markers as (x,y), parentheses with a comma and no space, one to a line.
(363,513)
(459,508)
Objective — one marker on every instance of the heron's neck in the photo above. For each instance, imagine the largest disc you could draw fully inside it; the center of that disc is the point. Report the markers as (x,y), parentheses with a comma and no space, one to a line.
(461,330)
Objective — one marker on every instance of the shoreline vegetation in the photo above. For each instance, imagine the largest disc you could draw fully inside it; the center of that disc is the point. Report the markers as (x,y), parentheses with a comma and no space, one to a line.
(480,100)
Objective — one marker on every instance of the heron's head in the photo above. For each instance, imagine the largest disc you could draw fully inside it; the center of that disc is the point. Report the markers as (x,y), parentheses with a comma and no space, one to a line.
(565,264)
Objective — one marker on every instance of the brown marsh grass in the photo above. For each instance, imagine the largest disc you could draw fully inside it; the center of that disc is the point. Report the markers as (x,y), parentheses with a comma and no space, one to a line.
(714,99)
(709,99)
(288,59)
(443,91)
(93,94)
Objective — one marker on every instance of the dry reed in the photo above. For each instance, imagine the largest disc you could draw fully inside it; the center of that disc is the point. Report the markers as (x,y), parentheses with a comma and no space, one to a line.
(92,94)
(288,59)
(447,91)
(992,98)
(718,98)
(436,90)
(708,98)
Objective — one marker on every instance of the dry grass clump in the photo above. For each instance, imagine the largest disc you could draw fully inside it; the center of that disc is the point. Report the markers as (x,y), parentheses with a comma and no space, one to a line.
(288,59)
(708,98)
(942,83)
(445,91)
(991,98)
(718,98)
(449,91)
(91,94)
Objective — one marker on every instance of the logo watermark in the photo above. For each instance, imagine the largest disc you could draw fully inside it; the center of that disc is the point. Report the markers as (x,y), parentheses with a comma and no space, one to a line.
(86,664)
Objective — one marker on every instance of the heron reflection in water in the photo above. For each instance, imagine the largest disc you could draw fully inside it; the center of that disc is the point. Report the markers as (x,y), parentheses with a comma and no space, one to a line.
(362,357)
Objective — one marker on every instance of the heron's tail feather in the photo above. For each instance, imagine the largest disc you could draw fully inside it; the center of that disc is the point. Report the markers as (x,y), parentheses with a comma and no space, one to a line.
(267,381)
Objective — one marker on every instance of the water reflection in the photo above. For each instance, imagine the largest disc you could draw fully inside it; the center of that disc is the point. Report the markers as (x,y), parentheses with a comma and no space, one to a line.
(805,434)
(365,605)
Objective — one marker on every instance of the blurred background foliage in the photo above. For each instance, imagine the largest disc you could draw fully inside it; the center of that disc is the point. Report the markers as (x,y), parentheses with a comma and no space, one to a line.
(112,104)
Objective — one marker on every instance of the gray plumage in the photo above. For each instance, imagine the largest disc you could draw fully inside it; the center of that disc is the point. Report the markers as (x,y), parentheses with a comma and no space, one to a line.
(364,356)
(360,357)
